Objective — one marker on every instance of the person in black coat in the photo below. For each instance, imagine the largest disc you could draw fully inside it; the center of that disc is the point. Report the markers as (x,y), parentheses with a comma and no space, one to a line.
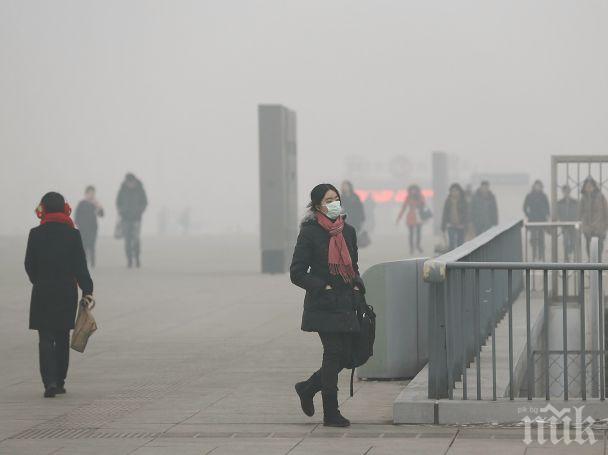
(55,263)
(87,212)
(353,207)
(131,203)
(484,210)
(536,208)
(325,265)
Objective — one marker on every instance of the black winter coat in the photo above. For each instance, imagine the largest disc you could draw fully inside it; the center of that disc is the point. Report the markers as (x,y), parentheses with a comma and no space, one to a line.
(484,211)
(55,263)
(536,206)
(86,218)
(330,310)
(131,202)
(354,209)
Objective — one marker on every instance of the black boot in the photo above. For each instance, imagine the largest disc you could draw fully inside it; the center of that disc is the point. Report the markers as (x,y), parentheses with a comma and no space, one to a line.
(331,413)
(306,390)
(50,391)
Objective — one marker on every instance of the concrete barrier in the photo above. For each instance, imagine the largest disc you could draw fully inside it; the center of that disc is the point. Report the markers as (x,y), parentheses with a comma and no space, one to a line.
(399,296)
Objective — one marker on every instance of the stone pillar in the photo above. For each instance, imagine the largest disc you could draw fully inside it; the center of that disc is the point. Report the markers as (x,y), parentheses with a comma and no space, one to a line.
(278,186)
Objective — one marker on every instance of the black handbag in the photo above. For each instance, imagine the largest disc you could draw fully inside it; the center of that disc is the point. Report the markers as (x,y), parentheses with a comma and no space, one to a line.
(362,347)
(425,213)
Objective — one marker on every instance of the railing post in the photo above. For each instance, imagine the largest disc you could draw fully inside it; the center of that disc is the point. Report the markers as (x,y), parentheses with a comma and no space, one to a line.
(438,365)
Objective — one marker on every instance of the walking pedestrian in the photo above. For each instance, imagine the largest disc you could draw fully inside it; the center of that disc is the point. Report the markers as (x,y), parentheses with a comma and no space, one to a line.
(484,210)
(131,203)
(455,218)
(56,264)
(87,212)
(414,204)
(567,210)
(594,215)
(352,205)
(536,208)
(325,265)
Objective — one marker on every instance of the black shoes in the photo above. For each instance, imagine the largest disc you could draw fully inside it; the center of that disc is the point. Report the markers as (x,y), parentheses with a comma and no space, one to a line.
(306,390)
(306,398)
(337,420)
(331,414)
(50,391)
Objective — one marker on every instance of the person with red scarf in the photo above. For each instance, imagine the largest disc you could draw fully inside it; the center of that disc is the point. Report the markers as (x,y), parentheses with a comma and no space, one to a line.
(325,264)
(56,265)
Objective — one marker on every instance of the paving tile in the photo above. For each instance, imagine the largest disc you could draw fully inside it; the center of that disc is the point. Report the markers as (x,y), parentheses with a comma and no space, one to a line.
(476,446)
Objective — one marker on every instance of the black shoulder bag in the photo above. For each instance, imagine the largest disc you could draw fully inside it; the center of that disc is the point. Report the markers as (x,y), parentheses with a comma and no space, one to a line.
(363,341)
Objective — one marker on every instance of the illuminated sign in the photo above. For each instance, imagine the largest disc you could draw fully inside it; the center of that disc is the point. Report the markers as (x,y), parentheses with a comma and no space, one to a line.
(387,196)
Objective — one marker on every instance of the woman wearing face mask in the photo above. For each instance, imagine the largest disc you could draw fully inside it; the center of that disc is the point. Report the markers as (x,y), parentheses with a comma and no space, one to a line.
(325,265)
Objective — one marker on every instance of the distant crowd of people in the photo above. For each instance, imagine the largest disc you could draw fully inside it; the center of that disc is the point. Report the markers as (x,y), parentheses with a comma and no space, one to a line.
(467,215)
(464,215)
(590,209)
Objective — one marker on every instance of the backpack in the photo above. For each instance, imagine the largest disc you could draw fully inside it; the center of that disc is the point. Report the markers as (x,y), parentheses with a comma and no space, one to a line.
(362,347)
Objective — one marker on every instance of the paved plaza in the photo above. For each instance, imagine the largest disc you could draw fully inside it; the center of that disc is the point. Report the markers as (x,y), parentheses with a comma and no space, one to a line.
(197,353)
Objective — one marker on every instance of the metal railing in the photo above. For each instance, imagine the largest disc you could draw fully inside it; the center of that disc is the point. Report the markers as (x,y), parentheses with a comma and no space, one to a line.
(461,315)
(474,287)
(560,229)
(567,232)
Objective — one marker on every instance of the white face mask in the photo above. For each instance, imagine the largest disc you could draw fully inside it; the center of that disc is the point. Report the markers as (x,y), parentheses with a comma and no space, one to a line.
(333,209)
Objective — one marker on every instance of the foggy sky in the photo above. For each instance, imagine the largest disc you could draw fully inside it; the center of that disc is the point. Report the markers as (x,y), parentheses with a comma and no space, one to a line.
(169,89)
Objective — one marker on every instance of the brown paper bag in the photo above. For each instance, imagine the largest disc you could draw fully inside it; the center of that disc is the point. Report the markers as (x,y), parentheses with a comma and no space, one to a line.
(85,325)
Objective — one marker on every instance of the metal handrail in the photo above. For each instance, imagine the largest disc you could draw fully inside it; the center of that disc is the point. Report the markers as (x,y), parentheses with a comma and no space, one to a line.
(454,338)
(575,224)
(530,265)
(593,319)
(460,319)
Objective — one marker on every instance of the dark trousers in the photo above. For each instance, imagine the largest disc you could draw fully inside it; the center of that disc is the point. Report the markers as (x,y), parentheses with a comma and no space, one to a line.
(54,351)
(569,237)
(88,242)
(455,237)
(336,351)
(537,239)
(415,236)
(131,230)
(600,246)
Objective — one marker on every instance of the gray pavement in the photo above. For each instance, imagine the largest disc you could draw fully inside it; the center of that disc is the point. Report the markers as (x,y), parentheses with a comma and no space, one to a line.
(197,353)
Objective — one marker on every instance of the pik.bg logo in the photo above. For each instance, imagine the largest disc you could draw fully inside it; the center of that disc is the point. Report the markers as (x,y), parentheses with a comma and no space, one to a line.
(547,421)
